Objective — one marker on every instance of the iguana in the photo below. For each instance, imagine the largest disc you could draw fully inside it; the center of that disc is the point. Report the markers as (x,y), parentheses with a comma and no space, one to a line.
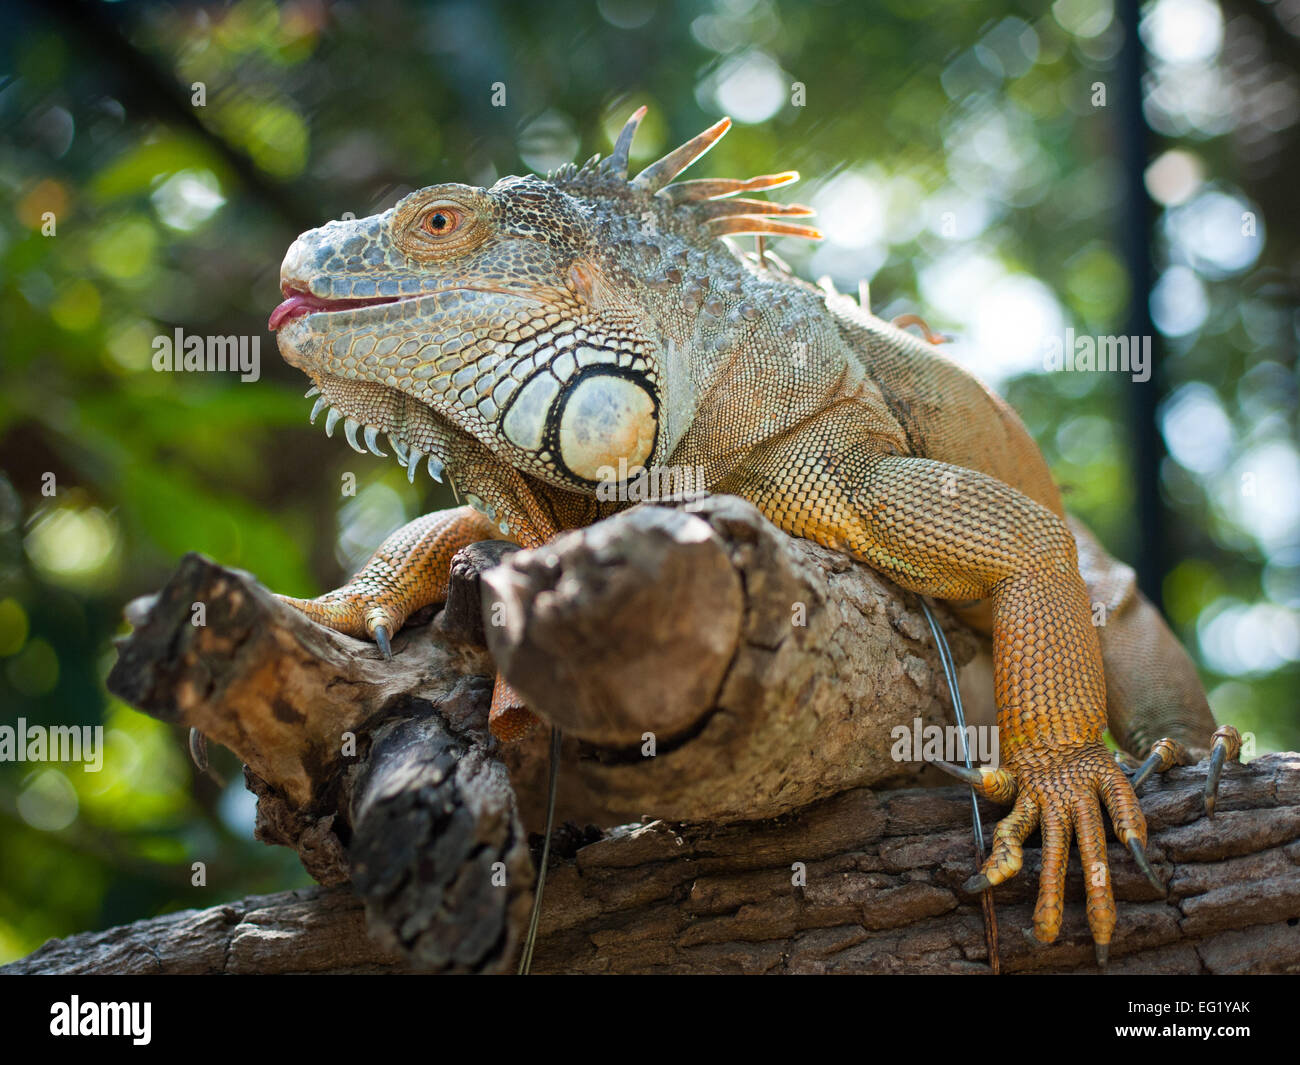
(528,338)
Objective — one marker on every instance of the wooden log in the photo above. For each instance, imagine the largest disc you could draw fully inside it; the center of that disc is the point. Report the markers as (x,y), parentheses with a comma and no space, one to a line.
(767,672)
(313,930)
(881,894)
(739,687)
(871,882)
(379,772)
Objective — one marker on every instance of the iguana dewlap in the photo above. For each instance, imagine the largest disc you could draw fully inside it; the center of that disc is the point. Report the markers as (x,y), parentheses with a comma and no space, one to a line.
(526,339)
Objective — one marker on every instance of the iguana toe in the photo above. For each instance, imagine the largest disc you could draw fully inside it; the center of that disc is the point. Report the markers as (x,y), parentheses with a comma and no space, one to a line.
(1165,754)
(354,611)
(1226,747)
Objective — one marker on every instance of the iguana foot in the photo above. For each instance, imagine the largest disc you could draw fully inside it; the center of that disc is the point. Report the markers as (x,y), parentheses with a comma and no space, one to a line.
(1166,753)
(1061,792)
(409,571)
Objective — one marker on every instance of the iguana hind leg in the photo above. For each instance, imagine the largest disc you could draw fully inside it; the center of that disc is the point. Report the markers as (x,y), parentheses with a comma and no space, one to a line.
(1155,703)
(955,533)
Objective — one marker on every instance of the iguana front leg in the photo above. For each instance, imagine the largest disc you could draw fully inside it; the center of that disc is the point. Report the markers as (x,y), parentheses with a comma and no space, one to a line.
(410,570)
(954,533)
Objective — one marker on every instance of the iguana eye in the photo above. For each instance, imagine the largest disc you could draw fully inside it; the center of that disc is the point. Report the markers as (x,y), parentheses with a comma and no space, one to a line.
(441,221)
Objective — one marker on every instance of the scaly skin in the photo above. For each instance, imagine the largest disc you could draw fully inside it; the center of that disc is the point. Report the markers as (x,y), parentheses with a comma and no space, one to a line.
(528,338)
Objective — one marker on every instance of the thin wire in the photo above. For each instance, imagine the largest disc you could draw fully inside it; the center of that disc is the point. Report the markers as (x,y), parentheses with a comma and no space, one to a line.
(530,940)
(950,674)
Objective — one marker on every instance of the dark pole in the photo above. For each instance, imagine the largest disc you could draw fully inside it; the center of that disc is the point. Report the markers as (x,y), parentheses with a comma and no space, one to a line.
(1135,243)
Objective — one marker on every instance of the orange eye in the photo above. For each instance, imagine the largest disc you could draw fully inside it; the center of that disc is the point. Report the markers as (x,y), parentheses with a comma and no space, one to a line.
(441,221)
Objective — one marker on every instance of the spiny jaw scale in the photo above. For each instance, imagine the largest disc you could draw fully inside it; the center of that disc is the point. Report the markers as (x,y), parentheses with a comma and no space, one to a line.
(408,455)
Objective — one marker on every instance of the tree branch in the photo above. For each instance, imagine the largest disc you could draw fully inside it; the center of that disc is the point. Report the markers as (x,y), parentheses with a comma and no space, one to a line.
(770,676)
(882,894)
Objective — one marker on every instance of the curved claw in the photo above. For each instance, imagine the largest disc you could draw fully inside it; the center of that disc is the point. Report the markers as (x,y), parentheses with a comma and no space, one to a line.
(976,884)
(199,749)
(1151,765)
(1140,860)
(381,638)
(1165,754)
(1103,954)
(1227,745)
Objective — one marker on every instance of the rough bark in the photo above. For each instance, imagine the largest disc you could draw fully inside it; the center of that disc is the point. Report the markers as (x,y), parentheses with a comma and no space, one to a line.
(770,672)
(882,894)
(741,686)
(314,930)
(378,772)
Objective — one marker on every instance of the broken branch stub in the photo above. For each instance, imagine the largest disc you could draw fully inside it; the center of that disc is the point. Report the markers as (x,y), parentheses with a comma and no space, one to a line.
(619,629)
(375,771)
(770,672)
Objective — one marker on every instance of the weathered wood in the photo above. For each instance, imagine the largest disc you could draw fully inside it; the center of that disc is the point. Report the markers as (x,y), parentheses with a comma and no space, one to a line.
(882,894)
(772,675)
(437,852)
(381,772)
(315,930)
(804,665)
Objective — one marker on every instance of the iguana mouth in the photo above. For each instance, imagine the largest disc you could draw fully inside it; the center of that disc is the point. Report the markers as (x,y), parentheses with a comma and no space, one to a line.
(298,303)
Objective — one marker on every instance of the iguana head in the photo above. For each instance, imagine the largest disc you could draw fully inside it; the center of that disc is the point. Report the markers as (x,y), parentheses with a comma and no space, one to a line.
(529,327)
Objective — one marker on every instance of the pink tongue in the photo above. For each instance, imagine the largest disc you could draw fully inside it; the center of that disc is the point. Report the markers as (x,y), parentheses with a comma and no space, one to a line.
(294,307)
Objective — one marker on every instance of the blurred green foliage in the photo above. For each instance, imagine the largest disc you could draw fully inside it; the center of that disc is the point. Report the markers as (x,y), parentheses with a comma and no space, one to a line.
(959,160)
